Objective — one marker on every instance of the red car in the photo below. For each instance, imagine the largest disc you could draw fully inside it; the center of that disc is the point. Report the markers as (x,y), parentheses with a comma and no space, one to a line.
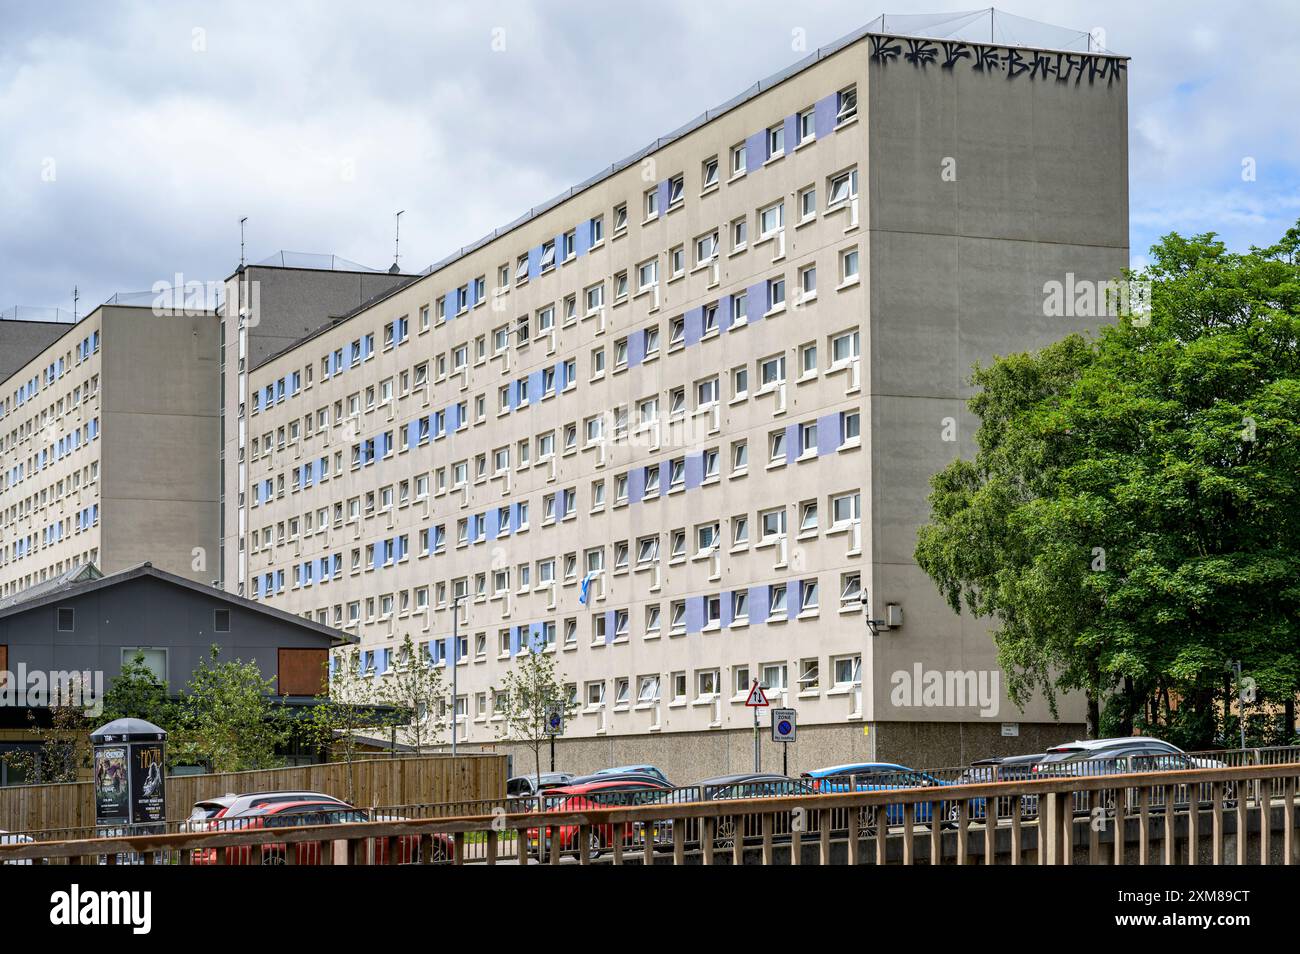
(578,798)
(295,814)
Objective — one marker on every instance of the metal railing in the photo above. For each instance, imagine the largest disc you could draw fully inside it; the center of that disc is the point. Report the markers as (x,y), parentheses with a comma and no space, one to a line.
(1146,823)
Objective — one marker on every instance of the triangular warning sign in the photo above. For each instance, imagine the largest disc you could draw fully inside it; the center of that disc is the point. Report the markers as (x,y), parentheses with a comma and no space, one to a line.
(756,696)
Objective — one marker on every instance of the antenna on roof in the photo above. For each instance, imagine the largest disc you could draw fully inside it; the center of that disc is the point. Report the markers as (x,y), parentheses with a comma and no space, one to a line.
(397,240)
(76,297)
(241,240)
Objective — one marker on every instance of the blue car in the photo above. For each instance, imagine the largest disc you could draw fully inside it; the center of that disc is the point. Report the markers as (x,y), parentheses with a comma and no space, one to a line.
(877,777)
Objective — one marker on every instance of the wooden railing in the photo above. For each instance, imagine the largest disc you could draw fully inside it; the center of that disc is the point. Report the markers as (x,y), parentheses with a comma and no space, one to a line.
(1136,818)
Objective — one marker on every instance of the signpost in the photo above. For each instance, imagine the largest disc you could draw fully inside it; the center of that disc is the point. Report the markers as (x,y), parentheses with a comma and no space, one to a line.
(757,700)
(554,727)
(784,729)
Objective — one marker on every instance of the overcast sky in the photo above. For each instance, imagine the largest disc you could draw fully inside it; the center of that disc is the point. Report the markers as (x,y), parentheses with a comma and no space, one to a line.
(134,136)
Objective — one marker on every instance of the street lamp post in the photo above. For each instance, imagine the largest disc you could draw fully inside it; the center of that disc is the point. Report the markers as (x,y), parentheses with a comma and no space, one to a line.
(455,659)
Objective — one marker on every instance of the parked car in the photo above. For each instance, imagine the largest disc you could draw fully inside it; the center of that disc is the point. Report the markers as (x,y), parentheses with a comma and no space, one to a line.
(623,770)
(206,812)
(601,794)
(618,777)
(875,777)
(526,786)
(1003,768)
(751,785)
(280,814)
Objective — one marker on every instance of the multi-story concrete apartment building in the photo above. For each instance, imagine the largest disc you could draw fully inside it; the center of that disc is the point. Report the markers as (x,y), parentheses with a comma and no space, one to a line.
(108,437)
(676,426)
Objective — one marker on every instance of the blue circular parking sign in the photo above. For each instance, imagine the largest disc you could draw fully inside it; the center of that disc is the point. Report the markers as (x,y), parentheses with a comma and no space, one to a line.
(784,727)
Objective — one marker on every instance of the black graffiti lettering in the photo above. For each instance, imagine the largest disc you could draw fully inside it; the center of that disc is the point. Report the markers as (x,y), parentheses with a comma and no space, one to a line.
(920,52)
(952,52)
(880,50)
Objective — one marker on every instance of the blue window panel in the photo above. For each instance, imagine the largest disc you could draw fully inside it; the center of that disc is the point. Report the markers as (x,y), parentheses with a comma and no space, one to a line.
(824,112)
(756,150)
(694,614)
(377,559)
(792,448)
(452,417)
(828,434)
(665,474)
(609,627)
(694,470)
(561,377)
(793,599)
(514,517)
(385,656)
(635,348)
(512,395)
(582,239)
(664,192)
(757,304)
(758,601)
(535,385)
(412,433)
(367,346)
(694,329)
(323,568)
(402,543)
(493,523)
(431,650)
(534,262)
(514,640)
(447,651)
(791,133)
(536,638)
(724,313)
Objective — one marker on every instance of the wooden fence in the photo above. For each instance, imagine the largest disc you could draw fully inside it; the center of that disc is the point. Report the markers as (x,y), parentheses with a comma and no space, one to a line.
(386,781)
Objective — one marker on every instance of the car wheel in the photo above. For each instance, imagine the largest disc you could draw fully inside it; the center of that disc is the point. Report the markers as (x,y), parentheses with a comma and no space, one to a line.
(593,845)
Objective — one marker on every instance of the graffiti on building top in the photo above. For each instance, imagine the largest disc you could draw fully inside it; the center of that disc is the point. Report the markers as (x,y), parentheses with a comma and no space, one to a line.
(1011,62)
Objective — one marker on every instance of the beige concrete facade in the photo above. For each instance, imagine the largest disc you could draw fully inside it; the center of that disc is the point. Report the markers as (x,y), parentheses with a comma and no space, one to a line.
(918,273)
(109,439)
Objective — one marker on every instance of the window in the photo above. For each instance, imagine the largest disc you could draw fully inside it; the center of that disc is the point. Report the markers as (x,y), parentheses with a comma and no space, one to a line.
(773,523)
(807,204)
(706,681)
(848,671)
(706,247)
(620,286)
(739,530)
(776,140)
(67,619)
(739,606)
(809,675)
(647,690)
(808,359)
(807,126)
(676,190)
(850,426)
(620,218)
(776,601)
(845,509)
(774,675)
(647,274)
(548,256)
(808,517)
(846,104)
(771,219)
(595,298)
(676,260)
(776,449)
(221,621)
(738,161)
(651,203)
(739,233)
(155,660)
(709,177)
(808,282)
(848,265)
(740,381)
(595,692)
(808,601)
(850,590)
(775,293)
(842,188)
(844,347)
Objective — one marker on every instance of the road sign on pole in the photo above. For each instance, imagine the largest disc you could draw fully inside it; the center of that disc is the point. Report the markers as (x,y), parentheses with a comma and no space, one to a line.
(784,726)
(757,700)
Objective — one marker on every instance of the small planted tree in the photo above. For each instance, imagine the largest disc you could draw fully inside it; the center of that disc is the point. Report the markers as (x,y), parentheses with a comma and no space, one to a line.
(533,689)
(414,689)
(63,750)
(227,717)
(351,704)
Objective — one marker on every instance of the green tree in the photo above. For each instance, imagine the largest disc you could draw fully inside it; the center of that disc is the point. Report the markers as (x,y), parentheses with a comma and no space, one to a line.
(136,693)
(227,717)
(63,751)
(1130,518)
(414,690)
(532,690)
(351,705)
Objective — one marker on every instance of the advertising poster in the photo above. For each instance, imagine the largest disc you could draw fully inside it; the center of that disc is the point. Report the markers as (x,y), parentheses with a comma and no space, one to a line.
(148,801)
(112,787)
